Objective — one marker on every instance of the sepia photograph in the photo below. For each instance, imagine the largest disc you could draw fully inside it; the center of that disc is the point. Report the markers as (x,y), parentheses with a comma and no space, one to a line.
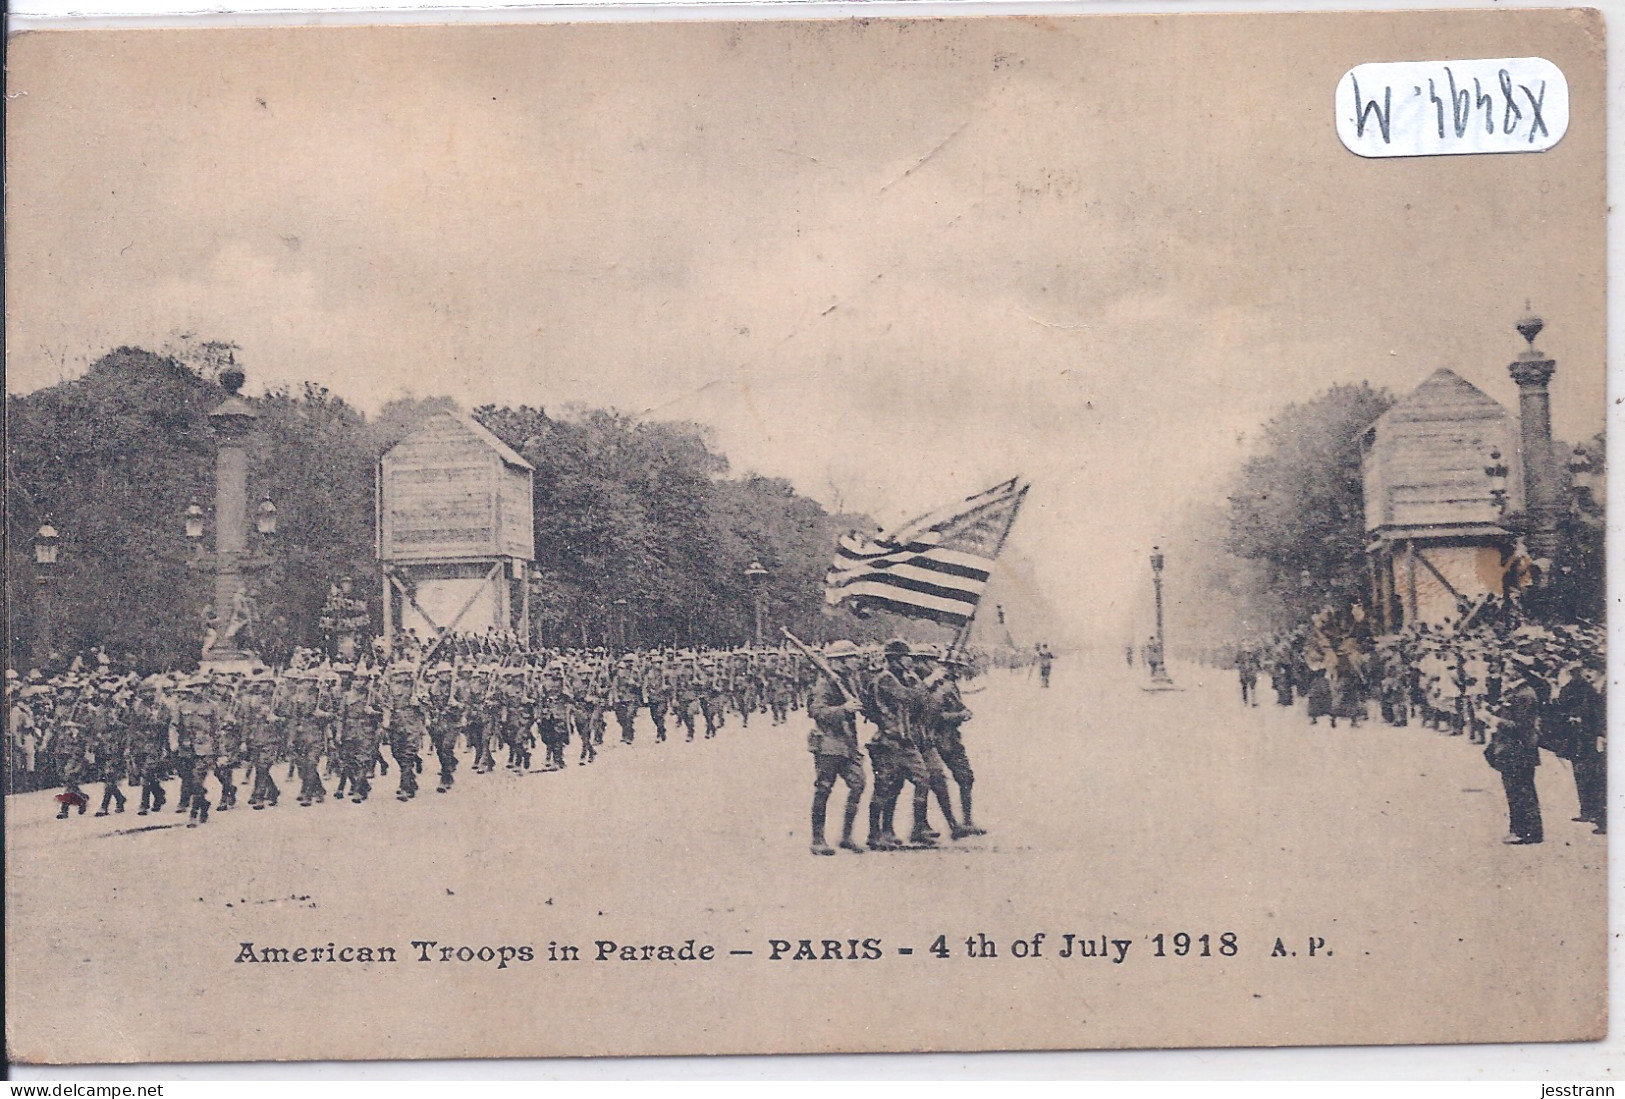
(789,536)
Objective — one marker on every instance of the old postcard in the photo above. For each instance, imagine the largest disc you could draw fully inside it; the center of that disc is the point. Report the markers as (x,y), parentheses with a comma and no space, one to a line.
(838,535)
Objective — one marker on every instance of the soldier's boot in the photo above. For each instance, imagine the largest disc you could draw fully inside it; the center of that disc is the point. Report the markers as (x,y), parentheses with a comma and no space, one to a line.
(922,832)
(819,805)
(62,814)
(848,819)
(967,826)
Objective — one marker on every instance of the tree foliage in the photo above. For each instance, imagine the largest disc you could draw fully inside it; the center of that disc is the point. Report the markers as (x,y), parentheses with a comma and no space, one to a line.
(1298,511)
(641,534)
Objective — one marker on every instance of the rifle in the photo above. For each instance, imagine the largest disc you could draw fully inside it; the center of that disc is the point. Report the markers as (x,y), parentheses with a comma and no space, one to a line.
(820,663)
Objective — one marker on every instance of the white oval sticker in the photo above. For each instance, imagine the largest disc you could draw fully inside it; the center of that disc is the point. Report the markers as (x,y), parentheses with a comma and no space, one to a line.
(1440,108)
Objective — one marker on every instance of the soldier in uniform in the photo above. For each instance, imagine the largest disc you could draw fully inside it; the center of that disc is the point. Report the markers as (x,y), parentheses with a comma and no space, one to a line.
(105,747)
(357,734)
(685,692)
(739,675)
(405,723)
(949,712)
(626,695)
(833,743)
(309,730)
(893,703)
(711,694)
(778,676)
(932,716)
(67,743)
(591,686)
(442,718)
(551,710)
(262,730)
(656,692)
(198,715)
(150,719)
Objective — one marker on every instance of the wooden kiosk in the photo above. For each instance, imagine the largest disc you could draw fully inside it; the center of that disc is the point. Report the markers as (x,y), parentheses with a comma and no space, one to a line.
(455,532)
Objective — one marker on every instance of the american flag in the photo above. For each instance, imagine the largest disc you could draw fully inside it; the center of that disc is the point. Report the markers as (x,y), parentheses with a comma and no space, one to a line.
(934,567)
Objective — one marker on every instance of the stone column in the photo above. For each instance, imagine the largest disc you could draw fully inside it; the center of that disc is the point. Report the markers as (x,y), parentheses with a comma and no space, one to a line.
(1542,488)
(232,421)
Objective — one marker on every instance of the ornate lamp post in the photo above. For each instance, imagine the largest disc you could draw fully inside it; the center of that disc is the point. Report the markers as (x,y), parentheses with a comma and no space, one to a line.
(47,544)
(756,577)
(232,421)
(1159,654)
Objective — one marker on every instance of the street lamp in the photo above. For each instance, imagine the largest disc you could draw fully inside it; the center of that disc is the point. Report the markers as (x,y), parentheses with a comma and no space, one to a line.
(756,576)
(1583,477)
(47,544)
(265,521)
(1159,663)
(1497,472)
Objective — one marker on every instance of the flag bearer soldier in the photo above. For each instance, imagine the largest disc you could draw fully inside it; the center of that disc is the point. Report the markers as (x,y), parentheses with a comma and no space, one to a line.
(105,745)
(891,704)
(443,722)
(149,722)
(626,695)
(263,734)
(199,717)
(405,723)
(656,692)
(834,747)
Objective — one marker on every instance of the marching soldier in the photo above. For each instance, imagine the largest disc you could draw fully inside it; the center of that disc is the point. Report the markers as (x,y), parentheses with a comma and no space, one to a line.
(198,716)
(104,745)
(949,713)
(263,734)
(150,718)
(405,723)
(552,716)
(656,692)
(626,695)
(833,743)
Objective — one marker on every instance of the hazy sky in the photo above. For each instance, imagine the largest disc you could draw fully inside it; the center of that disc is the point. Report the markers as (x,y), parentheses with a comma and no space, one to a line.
(893,261)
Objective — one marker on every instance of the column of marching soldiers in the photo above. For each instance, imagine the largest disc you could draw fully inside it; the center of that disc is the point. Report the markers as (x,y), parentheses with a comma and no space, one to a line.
(319,722)
(1491,676)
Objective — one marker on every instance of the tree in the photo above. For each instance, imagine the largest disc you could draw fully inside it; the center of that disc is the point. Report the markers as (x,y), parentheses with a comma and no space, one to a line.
(1298,508)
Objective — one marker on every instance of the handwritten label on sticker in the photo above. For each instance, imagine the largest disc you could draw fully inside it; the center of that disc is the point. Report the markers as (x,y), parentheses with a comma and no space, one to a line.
(1441,108)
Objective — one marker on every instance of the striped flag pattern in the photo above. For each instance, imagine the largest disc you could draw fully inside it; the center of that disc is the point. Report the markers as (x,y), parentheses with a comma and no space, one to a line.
(934,567)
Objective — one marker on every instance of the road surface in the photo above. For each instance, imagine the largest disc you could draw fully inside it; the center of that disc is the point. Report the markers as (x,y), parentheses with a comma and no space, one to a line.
(1115,815)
